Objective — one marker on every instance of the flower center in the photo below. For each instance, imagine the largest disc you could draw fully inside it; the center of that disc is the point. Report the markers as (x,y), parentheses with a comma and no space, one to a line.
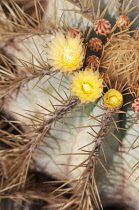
(113,100)
(68,55)
(87,88)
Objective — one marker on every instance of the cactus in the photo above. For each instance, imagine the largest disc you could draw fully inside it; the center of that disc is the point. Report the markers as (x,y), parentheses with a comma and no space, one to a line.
(69,97)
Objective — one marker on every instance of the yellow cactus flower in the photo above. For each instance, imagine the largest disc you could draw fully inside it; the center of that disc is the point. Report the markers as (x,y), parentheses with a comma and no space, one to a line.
(87,85)
(65,53)
(113,99)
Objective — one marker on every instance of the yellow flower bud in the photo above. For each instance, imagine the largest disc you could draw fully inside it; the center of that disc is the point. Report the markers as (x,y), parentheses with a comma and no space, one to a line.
(113,99)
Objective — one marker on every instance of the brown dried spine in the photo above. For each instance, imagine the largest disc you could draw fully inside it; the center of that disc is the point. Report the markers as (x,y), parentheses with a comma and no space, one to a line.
(136,34)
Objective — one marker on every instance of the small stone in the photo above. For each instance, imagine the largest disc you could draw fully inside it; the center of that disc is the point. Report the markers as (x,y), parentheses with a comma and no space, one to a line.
(122,21)
(135,105)
(73,32)
(102,27)
(93,61)
(95,44)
